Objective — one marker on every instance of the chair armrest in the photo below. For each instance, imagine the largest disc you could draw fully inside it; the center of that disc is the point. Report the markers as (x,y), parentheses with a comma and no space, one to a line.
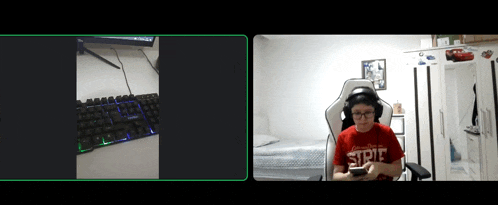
(315,178)
(417,171)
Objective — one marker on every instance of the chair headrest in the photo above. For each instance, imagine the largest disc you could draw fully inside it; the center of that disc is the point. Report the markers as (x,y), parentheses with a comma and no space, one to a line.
(333,112)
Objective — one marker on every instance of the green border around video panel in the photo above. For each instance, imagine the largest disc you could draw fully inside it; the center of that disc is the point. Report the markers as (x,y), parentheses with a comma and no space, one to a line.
(187,35)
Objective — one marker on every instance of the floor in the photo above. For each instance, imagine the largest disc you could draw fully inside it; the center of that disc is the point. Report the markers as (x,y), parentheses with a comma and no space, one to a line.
(459,171)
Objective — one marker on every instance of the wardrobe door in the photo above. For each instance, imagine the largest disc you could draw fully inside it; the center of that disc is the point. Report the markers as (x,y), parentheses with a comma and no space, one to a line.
(424,127)
(440,143)
(483,87)
(487,94)
(492,141)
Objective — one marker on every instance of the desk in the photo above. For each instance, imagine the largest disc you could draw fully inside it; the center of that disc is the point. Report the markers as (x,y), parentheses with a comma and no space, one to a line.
(136,159)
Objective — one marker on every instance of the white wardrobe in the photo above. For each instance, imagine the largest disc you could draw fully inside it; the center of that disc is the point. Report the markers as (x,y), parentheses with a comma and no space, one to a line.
(450,145)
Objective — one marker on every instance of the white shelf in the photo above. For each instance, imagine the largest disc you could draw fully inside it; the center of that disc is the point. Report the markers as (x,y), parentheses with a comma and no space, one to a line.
(437,48)
(452,46)
(404,175)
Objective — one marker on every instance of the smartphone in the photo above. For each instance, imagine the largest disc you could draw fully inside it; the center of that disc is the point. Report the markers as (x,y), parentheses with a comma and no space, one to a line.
(358,171)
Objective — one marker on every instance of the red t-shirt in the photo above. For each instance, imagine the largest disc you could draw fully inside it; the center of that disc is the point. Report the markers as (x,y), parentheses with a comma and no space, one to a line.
(360,148)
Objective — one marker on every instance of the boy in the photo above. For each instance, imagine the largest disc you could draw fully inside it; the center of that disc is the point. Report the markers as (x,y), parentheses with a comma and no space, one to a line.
(367,144)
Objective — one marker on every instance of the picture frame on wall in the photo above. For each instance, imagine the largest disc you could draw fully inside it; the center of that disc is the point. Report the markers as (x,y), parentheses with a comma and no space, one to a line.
(375,70)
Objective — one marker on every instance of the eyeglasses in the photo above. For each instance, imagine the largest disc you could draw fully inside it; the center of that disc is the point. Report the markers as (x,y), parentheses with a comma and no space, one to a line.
(367,115)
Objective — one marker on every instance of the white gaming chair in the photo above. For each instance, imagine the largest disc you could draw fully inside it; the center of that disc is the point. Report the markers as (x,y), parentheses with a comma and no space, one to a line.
(335,122)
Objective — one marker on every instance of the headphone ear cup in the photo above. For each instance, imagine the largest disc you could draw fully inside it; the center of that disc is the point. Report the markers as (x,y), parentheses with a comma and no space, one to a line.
(379,109)
(347,111)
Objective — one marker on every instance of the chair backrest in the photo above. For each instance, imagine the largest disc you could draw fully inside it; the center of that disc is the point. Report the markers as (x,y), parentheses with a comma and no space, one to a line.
(335,121)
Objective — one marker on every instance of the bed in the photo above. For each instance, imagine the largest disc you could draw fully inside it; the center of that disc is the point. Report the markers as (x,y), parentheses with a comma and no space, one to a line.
(287,159)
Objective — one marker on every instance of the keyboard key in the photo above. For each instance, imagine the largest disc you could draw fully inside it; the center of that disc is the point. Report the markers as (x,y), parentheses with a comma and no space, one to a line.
(97,139)
(121,135)
(85,143)
(156,128)
(109,138)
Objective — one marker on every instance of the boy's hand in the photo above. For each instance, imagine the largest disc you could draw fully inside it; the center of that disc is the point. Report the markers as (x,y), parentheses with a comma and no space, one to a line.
(355,178)
(373,169)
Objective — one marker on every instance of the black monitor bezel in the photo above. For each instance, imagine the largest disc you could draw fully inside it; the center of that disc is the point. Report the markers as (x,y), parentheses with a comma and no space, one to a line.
(92,39)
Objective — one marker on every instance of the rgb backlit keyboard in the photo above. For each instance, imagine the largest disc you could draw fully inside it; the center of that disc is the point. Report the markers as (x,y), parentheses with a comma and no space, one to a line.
(108,120)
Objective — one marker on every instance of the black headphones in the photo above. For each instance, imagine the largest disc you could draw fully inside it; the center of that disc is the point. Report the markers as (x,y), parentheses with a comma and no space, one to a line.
(370,94)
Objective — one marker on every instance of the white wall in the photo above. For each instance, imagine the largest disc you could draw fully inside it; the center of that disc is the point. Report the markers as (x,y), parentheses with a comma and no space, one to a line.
(297,77)
(260,103)
(258,75)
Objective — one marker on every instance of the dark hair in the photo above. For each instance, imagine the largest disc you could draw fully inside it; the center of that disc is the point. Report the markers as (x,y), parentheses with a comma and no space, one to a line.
(361,99)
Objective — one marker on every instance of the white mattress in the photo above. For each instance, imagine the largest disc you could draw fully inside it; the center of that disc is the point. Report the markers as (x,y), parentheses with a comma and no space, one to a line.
(289,159)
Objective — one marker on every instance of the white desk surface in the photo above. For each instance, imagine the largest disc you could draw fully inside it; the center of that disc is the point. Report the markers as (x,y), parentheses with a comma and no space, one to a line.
(136,159)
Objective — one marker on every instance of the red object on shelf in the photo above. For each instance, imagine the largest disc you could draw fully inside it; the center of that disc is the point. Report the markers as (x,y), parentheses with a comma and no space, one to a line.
(459,55)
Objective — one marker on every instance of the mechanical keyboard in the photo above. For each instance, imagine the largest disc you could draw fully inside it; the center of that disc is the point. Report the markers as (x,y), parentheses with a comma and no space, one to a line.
(108,120)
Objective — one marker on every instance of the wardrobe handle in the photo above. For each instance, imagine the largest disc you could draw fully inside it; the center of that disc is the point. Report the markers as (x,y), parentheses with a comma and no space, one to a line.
(482,122)
(488,126)
(441,121)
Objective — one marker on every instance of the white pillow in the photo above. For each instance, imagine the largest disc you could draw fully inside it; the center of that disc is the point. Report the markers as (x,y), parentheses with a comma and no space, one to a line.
(260,140)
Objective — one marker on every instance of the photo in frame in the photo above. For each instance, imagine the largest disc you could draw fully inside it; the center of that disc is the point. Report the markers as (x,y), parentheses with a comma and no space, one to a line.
(375,70)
